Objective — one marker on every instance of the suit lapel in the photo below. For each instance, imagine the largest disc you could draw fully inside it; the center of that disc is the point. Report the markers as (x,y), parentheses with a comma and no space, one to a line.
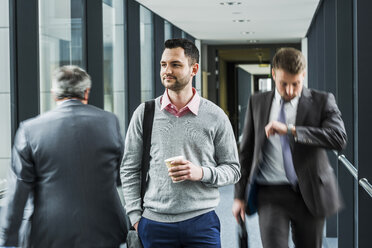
(268,101)
(303,106)
(262,113)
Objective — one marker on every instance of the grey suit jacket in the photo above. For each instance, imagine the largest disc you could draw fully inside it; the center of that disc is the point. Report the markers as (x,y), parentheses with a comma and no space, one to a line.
(68,160)
(319,127)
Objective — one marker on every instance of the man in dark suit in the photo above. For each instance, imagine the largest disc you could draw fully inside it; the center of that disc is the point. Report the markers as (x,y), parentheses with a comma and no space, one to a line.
(67,159)
(285,170)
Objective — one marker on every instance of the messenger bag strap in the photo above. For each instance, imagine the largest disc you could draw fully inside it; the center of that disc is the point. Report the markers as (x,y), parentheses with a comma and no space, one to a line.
(148,119)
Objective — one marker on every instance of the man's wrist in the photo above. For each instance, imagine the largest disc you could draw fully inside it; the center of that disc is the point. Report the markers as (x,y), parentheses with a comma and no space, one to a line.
(291,129)
(201,173)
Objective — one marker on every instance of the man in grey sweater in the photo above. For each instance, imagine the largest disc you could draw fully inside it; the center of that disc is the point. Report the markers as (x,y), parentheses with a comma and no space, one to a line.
(179,214)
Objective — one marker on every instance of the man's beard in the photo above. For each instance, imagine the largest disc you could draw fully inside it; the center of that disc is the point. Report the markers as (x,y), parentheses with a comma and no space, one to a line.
(177,85)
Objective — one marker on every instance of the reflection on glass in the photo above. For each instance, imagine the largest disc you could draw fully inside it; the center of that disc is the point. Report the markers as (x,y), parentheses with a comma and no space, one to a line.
(168,33)
(183,34)
(5,127)
(61,43)
(147,56)
(114,73)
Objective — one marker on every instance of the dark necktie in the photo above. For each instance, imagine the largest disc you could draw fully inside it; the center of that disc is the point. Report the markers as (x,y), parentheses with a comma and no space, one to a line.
(287,154)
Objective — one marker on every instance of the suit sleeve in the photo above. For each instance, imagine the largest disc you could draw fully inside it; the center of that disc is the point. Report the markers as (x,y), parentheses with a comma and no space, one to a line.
(21,180)
(120,150)
(330,134)
(246,152)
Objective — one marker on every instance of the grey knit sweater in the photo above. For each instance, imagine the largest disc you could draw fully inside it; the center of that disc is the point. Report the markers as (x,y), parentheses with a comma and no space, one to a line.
(205,139)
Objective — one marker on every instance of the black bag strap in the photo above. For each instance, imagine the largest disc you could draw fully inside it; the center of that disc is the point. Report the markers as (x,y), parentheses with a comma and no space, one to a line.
(148,119)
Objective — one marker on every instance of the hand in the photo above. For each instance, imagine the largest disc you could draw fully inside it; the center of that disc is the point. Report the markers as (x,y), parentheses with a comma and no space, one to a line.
(136,226)
(275,127)
(185,170)
(238,208)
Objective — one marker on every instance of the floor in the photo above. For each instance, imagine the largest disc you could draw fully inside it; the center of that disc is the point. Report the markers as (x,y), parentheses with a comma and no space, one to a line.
(229,236)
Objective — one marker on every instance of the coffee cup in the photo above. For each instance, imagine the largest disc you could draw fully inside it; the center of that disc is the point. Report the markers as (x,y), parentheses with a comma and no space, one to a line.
(168,163)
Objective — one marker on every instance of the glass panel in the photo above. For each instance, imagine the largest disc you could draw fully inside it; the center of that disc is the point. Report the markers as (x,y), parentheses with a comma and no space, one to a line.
(168,33)
(61,42)
(5,120)
(114,64)
(147,55)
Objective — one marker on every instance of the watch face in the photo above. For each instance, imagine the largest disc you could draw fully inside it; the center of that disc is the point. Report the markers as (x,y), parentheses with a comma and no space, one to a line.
(289,128)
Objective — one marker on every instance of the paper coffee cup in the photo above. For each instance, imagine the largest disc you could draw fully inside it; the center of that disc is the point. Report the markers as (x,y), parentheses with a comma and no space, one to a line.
(168,162)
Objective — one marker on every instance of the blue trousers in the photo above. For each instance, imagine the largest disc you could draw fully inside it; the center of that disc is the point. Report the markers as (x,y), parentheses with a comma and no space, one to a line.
(200,231)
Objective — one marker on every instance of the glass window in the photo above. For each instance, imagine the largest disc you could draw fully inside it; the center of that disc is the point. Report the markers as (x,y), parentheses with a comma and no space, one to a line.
(114,54)
(61,42)
(168,33)
(5,120)
(147,55)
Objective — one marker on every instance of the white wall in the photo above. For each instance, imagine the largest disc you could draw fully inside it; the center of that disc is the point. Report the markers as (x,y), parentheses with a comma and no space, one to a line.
(198,77)
(304,52)
(5,121)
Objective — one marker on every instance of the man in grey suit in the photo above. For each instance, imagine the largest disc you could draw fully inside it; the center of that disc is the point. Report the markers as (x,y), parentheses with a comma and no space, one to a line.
(67,159)
(286,175)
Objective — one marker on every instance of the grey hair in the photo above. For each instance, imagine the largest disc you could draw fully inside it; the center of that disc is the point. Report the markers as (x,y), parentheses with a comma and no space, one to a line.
(70,81)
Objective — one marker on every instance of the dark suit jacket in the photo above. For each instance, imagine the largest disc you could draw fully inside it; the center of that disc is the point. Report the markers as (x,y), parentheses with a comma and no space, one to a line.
(67,159)
(319,127)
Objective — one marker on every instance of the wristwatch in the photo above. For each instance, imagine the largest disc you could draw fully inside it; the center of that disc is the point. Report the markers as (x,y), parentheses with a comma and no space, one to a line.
(290,129)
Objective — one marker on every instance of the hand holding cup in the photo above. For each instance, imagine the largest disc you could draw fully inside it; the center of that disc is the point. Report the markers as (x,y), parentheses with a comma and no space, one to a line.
(180,170)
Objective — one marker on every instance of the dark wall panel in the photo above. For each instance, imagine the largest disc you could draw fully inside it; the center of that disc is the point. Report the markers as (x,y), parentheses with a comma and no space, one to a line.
(134,64)
(330,49)
(329,84)
(330,68)
(311,62)
(94,50)
(344,62)
(159,47)
(190,38)
(177,33)
(212,77)
(24,64)
(244,80)
(363,57)
(319,83)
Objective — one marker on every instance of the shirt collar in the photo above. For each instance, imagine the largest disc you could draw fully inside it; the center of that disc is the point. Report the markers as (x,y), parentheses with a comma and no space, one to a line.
(278,98)
(67,100)
(192,105)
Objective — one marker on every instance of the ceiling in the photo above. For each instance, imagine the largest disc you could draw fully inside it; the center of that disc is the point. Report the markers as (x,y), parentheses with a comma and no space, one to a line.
(256,69)
(240,21)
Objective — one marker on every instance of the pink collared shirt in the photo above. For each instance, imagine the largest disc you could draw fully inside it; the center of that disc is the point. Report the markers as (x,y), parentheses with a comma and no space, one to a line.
(192,106)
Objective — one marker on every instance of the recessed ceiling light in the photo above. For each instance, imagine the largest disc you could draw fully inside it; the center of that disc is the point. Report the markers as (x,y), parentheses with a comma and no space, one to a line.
(230,3)
(241,20)
(253,41)
(247,32)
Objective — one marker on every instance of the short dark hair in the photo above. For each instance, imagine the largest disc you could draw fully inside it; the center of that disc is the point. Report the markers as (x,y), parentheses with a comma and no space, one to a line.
(188,46)
(290,60)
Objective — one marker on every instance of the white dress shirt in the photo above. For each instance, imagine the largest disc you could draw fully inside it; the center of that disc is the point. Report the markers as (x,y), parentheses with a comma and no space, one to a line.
(271,168)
